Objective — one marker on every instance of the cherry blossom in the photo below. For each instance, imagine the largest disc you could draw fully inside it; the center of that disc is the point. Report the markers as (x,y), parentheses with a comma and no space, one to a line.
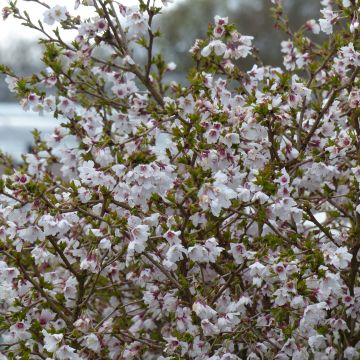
(218,220)
(56,14)
(216,45)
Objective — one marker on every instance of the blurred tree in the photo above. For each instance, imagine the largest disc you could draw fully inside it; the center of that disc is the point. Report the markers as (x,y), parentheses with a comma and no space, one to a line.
(26,64)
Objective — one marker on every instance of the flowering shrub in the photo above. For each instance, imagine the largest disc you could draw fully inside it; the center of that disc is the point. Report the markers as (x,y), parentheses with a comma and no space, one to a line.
(215,221)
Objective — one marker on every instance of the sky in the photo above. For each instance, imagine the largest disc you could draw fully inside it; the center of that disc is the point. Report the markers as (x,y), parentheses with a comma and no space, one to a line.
(11,30)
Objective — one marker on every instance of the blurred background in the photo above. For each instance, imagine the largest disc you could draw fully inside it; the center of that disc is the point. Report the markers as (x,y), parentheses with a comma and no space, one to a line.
(185,20)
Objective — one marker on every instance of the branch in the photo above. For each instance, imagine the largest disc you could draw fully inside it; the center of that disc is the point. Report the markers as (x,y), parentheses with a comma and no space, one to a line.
(326,108)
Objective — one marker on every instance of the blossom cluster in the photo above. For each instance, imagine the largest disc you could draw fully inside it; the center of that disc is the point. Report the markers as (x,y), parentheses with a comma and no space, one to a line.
(215,221)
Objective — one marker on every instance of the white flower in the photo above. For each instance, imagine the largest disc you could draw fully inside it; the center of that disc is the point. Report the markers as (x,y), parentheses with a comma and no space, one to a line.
(314,314)
(209,328)
(198,253)
(261,197)
(12,82)
(217,45)
(162,143)
(41,255)
(7,293)
(176,253)
(136,22)
(313,26)
(280,271)
(218,195)
(300,355)
(89,262)
(84,195)
(140,235)
(31,234)
(317,342)
(103,156)
(218,31)
(354,24)
(19,331)
(284,179)
(221,21)
(67,353)
(172,237)
(203,311)
(213,249)
(351,353)
(244,194)
(212,135)
(241,47)
(171,66)
(340,258)
(297,302)
(230,139)
(66,106)
(51,341)
(92,342)
(55,14)
(228,321)
(172,345)
(354,99)
(253,132)
(207,253)
(105,244)
(329,20)
(237,251)
(257,272)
